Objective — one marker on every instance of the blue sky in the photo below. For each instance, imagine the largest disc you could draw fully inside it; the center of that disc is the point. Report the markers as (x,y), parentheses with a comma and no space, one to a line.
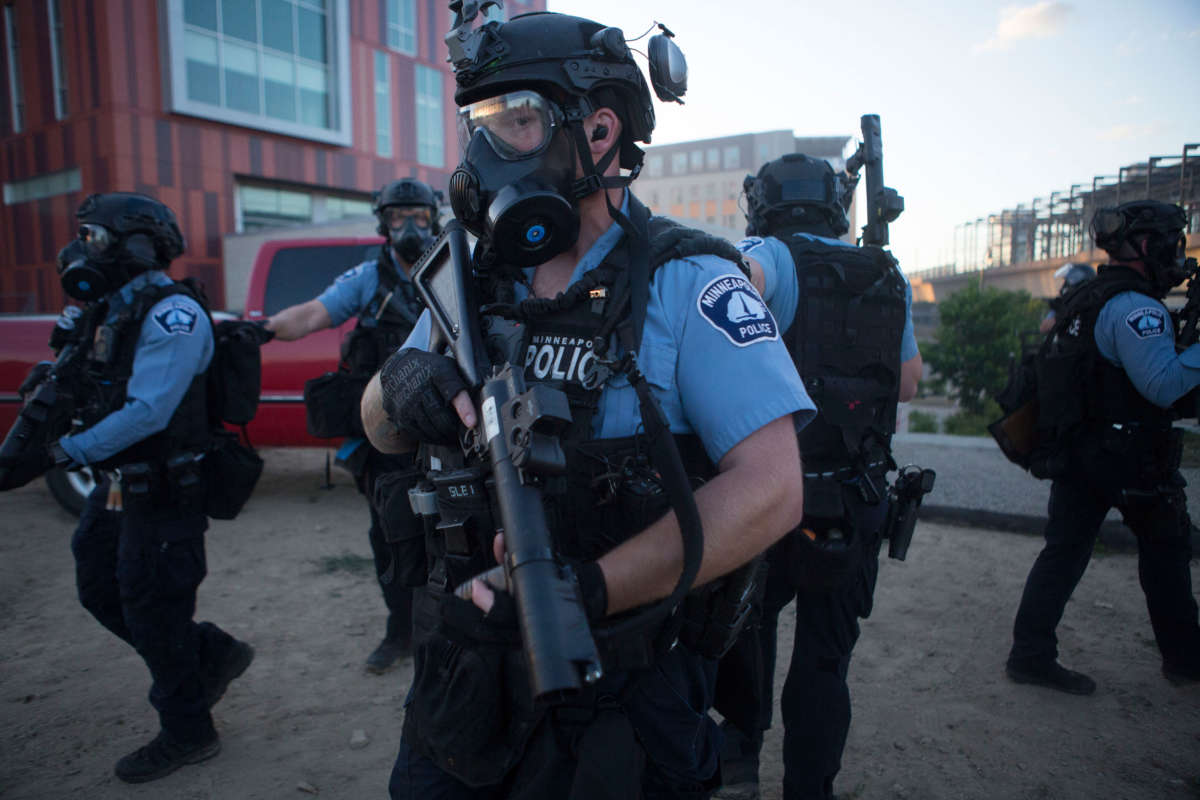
(983,105)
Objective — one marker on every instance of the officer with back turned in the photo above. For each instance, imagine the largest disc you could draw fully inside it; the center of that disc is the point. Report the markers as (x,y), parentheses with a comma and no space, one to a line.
(1108,376)
(143,422)
(845,314)
(576,278)
(381,295)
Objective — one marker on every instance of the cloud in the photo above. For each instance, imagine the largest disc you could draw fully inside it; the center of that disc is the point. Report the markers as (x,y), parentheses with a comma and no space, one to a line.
(1038,21)
(1127,132)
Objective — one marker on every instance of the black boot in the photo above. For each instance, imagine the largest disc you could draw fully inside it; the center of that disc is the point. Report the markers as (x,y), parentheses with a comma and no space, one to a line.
(1053,675)
(386,654)
(1181,674)
(163,755)
(235,662)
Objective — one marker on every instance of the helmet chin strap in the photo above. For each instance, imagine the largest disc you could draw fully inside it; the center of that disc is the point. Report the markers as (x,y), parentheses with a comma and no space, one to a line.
(594,179)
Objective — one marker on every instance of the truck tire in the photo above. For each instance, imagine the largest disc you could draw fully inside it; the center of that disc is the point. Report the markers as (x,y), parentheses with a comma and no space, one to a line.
(71,488)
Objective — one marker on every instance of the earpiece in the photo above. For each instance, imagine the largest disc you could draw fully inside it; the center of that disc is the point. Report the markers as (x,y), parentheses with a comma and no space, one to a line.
(599,133)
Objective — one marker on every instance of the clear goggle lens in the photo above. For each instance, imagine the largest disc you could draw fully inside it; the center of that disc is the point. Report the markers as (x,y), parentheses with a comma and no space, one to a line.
(97,239)
(517,124)
(394,216)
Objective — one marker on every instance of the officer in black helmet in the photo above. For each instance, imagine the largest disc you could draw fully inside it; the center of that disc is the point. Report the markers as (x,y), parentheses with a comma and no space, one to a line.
(1109,375)
(379,293)
(1071,276)
(142,423)
(846,315)
(574,272)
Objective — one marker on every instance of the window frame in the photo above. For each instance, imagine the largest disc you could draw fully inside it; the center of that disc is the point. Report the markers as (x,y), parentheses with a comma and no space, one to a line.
(389,24)
(382,93)
(16,93)
(57,62)
(174,60)
(422,112)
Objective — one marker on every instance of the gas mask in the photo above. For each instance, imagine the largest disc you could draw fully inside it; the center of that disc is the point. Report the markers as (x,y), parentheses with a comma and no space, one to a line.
(99,261)
(1166,260)
(410,240)
(515,186)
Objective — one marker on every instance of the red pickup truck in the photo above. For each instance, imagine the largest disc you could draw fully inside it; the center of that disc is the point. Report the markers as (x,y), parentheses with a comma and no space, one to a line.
(285,272)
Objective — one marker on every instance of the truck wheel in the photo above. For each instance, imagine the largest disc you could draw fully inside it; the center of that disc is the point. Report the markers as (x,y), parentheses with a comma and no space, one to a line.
(71,487)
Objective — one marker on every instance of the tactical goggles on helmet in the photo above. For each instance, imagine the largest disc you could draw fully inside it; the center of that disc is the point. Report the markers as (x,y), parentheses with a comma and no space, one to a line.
(517,124)
(98,241)
(393,216)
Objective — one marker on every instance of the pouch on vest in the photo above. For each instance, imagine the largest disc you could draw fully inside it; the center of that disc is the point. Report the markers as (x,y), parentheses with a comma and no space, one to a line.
(236,372)
(403,530)
(1016,431)
(469,711)
(231,471)
(331,403)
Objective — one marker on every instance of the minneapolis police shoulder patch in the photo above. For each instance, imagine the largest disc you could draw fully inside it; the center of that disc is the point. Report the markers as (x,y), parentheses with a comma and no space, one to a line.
(732,305)
(348,274)
(1147,322)
(176,317)
(750,241)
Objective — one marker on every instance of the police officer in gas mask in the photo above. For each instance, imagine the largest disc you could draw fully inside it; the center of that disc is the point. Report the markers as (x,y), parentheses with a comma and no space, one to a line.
(846,316)
(1109,377)
(573,272)
(1071,276)
(143,424)
(379,293)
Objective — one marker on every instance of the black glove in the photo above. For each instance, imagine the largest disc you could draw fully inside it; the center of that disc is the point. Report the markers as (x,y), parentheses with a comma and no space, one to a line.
(593,591)
(417,390)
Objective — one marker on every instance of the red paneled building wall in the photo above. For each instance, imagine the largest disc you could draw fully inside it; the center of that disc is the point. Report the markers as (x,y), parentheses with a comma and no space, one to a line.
(107,88)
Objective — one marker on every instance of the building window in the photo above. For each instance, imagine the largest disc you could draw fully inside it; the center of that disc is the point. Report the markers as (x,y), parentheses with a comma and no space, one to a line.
(48,185)
(431,136)
(402,26)
(58,70)
(654,166)
(261,206)
(383,105)
(278,65)
(733,157)
(16,95)
(678,163)
(714,158)
(697,160)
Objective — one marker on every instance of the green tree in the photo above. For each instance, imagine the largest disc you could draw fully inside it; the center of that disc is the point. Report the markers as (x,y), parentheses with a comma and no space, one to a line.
(978,334)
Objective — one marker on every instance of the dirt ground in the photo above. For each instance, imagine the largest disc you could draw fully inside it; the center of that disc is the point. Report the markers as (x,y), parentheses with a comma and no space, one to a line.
(934,716)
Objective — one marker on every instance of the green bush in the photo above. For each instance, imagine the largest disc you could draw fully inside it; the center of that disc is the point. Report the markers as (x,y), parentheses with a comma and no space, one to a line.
(978,334)
(967,423)
(922,422)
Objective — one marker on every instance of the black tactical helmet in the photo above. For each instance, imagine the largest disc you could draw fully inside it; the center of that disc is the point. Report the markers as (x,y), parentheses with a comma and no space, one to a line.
(576,62)
(794,191)
(1074,274)
(1113,228)
(126,214)
(407,192)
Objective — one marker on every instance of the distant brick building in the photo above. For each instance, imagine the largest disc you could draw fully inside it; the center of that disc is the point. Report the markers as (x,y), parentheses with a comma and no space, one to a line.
(239,114)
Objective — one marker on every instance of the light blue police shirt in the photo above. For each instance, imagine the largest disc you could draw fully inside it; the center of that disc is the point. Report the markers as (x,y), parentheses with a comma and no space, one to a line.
(174,346)
(781,287)
(710,350)
(352,291)
(1135,332)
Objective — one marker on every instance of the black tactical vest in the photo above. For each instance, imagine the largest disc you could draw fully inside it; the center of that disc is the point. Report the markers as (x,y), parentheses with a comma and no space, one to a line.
(110,365)
(611,490)
(845,341)
(1079,389)
(385,322)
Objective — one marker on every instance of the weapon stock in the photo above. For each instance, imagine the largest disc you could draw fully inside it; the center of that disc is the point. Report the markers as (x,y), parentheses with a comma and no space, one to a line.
(1189,315)
(46,413)
(884,205)
(519,429)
